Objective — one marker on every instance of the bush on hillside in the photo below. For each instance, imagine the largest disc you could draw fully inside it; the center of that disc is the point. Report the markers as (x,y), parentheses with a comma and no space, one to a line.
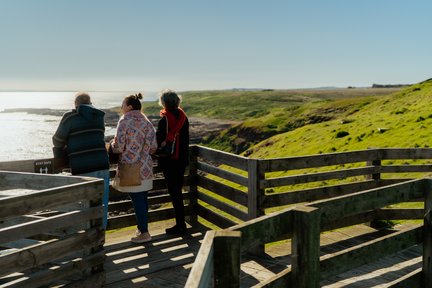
(341,134)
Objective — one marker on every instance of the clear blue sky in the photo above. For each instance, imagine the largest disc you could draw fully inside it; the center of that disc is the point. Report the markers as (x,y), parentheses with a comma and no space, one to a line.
(189,45)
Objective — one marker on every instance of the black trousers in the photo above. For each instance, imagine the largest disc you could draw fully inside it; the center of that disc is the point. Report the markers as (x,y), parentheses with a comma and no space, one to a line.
(174,176)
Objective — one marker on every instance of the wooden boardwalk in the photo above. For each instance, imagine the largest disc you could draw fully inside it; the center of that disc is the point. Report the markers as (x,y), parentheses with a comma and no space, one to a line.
(167,260)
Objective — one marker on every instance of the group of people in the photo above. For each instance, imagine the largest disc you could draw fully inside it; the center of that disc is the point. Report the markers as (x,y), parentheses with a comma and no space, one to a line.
(80,138)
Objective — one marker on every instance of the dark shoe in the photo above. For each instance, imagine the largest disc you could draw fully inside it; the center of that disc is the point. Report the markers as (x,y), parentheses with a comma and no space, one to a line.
(176,230)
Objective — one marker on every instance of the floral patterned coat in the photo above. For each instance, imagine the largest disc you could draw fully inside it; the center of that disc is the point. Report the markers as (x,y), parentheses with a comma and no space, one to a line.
(135,139)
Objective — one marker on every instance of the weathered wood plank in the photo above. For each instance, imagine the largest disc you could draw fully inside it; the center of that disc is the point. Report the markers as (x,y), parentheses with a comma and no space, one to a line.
(343,206)
(50,198)
(359,218)
(214,218)
(223,190)
(37,181)
(427,236)
(412,279)
(221,157)
(223,206)
(313,194)
(406,168)
(236,178)
(399,213)
(193,185)
(255,192)
(95,280)
(202,270)
(406,153)
(313,161)
(44,225)
(339,262)
(264,229)
(305,265)
(43,253)
(62,272)
(227,263)
(314,177)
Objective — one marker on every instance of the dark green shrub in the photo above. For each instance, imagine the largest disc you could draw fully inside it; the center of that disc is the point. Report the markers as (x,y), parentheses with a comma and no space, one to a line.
(341,134)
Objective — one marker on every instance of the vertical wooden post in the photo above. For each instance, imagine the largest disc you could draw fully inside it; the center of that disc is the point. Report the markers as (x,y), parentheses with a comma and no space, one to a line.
(305,247)
(427,236)
(193,187)
(98,223)
(255,195)
(227,259)
(374,176)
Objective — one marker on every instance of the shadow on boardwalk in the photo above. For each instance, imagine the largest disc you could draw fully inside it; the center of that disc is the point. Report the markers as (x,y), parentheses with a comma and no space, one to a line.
(167,260)
(164,262)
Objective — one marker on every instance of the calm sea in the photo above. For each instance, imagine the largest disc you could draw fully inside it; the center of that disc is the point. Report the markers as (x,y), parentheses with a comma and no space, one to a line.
(28,136)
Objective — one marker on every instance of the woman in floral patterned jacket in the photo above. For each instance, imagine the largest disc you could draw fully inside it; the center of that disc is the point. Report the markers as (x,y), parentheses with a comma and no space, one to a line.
(135,140)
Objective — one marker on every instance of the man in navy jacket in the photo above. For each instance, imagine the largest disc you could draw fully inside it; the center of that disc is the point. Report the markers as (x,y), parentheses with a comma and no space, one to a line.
(81,137)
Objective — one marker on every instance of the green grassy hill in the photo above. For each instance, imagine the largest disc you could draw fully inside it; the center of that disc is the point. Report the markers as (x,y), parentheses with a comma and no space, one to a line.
(265,113)
(402,119)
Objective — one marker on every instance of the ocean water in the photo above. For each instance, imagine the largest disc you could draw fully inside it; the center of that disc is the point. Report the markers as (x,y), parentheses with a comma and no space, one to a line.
(29,136)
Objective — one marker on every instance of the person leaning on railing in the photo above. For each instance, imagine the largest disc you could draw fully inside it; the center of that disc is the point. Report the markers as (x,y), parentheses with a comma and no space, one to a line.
(135,141)
(80,138)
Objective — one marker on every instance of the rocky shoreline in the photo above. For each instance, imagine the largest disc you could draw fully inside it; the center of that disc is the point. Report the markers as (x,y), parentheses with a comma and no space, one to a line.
(199,127)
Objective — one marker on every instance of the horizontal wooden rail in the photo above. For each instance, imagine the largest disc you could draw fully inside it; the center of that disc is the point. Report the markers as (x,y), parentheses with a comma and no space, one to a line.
(314,161)
(405,153)
(50,198)
(343,206)
(214,217)
(223,206)
(406,168)
(223,190)
(345,260)
(236,178)
(43,225)
(314,194)
(319,176)
(221,157)
(43,253)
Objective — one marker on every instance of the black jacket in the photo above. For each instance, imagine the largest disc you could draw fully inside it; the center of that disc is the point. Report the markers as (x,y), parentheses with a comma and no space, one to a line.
(184,140)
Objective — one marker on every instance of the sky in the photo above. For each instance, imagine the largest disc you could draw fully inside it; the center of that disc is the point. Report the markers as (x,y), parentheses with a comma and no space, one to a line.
(109,45)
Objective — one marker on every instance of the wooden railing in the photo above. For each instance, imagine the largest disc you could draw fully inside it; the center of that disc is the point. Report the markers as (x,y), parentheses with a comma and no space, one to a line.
(305,223)
(227,190)
(232,189)
(46,237)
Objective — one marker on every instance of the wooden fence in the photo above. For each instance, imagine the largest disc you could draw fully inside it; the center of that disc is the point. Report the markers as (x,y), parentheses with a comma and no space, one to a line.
(304,224)
(46,236)
(224,190)
(231,189)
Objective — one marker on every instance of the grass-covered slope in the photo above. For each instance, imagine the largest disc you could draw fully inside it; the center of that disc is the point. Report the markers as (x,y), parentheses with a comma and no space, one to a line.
(265,113)
(402,119)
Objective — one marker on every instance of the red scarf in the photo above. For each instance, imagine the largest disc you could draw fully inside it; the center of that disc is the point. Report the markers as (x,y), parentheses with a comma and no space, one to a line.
(174,126)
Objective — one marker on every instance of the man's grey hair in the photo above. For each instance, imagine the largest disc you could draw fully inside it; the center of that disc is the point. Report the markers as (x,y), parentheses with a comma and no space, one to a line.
(82,98)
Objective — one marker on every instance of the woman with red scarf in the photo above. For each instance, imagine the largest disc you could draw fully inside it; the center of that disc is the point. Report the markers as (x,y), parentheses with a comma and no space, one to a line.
(173,128)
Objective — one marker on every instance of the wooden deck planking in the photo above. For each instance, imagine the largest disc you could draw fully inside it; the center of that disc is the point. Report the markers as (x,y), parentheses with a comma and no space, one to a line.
(167,260)
(383,273)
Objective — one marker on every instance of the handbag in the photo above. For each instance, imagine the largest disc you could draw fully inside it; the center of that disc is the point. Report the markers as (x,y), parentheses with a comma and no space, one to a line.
(129,174)
(167,150)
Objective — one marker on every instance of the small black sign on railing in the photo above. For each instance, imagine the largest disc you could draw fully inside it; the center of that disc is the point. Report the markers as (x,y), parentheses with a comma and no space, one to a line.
(43,166)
